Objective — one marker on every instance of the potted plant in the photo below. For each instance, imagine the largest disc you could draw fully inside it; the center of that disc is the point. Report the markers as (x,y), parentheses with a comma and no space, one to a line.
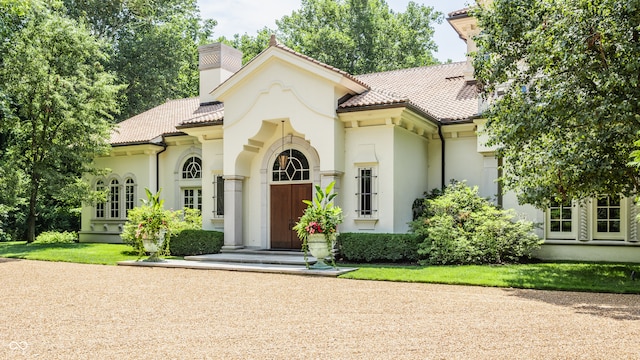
(147,227)
(317,227)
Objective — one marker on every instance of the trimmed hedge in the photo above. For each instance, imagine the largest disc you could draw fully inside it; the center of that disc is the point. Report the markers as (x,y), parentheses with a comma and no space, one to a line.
(196,242)
(367,247)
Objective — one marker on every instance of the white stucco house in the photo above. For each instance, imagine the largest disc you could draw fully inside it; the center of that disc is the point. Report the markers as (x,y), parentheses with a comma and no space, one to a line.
(384,138)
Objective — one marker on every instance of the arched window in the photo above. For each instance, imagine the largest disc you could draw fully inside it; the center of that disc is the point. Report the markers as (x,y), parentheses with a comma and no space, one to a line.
(100,206)
(192,168)
(114,199)
(129,195)
(296,167)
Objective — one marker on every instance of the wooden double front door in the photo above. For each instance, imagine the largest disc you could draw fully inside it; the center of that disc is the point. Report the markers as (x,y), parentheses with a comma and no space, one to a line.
(286,208)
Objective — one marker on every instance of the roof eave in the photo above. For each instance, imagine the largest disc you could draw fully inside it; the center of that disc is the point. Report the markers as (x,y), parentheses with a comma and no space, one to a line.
(200,124)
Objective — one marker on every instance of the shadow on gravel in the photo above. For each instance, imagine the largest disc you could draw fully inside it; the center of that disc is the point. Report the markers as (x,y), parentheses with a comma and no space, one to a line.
(613,306)
(4,260)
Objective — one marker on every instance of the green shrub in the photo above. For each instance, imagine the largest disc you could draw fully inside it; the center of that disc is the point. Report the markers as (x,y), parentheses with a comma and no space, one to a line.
(55,237)
(367,247)
(152,218)
(196,242)
(460,227)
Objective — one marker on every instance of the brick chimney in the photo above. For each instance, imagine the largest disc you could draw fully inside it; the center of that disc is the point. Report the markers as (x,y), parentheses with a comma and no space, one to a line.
(217,63)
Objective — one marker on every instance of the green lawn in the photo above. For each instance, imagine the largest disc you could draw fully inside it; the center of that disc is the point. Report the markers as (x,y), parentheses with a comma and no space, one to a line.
(594,277)
(85,253)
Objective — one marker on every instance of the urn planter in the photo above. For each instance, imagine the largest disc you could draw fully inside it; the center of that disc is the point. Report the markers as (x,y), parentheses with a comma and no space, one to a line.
(319,249)
(153,245)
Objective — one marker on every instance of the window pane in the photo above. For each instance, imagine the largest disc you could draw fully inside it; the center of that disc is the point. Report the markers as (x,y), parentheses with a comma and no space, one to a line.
(555,226)
(555,213)
(566,213)
(603,201)
(614,226)
(602,213)
(614,213)
(566,226)
(602,226)
(219,196)
(114,190)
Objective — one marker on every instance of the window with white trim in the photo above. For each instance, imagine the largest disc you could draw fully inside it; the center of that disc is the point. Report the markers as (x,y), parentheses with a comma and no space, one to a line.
(218,196)
(192,168)
(114,199)
(561,218)
(192,198)
(366,194)
(100,207)
(609,222)
(129,195)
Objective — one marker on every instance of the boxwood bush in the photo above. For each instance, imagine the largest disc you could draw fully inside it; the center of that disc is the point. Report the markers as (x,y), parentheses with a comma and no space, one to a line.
(368,247)
(196,242)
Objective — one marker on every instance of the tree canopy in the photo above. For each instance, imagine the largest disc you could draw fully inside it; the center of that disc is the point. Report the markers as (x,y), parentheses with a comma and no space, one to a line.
(357,36)
(569,116)
(153,46)
(57,106)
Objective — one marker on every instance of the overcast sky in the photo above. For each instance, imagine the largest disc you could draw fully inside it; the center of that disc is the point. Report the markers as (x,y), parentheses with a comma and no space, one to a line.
(248,16)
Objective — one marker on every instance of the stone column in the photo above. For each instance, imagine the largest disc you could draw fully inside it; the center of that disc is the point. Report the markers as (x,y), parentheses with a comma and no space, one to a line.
(233,212)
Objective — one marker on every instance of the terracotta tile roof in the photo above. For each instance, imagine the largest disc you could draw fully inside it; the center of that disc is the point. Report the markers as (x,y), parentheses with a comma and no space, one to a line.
(460,12)
(440,91)
(163,120)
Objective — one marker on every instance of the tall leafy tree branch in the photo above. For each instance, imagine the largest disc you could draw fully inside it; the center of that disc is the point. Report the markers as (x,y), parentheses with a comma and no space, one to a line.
(59,106)
(570,115)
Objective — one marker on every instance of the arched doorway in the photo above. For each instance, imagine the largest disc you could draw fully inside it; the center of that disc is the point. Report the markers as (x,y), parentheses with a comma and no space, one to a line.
(290,184)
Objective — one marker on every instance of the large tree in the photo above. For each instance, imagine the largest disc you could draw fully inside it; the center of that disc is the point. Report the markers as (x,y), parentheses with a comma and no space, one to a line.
(58,105)
(357,36)
(570,73)
(153,46)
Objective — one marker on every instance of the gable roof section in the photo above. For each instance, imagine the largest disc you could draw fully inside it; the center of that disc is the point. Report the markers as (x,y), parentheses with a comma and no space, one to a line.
(293,58)
(439,91)
(163,120)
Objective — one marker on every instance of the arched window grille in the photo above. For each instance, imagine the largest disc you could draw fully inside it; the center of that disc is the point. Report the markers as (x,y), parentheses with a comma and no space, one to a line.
(192,168)
(296,167)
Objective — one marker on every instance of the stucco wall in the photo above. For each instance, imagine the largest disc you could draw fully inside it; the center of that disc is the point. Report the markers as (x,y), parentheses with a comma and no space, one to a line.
(411,175)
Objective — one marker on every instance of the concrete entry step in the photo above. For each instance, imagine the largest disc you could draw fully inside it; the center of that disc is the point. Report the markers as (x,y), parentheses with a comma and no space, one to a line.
(254,257)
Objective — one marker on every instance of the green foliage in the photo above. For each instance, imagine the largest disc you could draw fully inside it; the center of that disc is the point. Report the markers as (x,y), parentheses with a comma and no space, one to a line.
(320,217)
(196,242)
(357,36)
(153,47)
(56,237)
(152,221)
(368,247)
(591,277)
(460,227)
(149,221)
(58,103)
(418,208)
(82,253)
(567,123)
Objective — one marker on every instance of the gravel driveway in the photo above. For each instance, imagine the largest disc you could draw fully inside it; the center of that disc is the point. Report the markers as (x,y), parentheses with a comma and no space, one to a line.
(73,311)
